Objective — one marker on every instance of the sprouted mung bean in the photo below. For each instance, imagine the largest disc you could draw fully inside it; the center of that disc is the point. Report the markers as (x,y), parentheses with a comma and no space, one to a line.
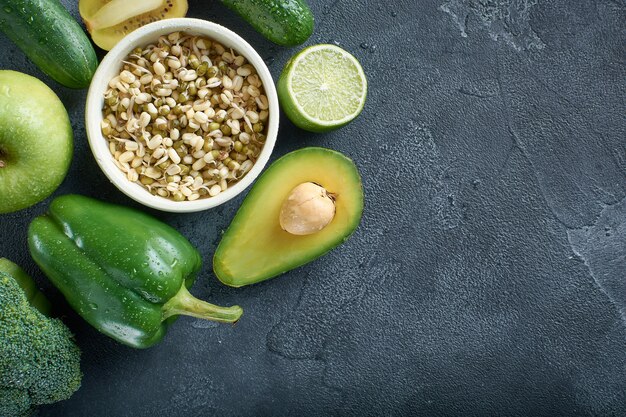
(185,118)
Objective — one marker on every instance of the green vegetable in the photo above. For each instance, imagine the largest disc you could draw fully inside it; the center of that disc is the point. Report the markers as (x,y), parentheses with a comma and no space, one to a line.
(33,295)
(285,22)
(51,38)
(123,271)
(39,361)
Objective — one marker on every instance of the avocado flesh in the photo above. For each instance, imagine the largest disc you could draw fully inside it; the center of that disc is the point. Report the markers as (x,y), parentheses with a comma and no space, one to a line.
(256,248)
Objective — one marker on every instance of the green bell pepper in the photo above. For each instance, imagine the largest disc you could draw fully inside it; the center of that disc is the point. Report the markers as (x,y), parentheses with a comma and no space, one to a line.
(126,273)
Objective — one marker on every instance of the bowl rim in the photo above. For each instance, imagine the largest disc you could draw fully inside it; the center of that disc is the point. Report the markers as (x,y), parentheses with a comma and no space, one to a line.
(95,101)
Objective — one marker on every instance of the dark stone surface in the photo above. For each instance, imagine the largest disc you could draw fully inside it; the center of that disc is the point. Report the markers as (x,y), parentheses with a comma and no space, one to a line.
(488,276)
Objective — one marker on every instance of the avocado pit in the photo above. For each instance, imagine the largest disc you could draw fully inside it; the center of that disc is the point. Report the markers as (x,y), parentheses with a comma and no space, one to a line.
(307,209)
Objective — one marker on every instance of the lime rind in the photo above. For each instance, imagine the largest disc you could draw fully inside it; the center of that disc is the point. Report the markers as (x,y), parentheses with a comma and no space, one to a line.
(327,85)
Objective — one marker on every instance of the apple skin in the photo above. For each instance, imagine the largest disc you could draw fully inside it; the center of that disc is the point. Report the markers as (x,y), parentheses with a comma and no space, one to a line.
(36,141)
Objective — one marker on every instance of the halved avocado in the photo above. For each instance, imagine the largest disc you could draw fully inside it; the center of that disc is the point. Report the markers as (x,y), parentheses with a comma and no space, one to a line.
(256,248)
(108,21)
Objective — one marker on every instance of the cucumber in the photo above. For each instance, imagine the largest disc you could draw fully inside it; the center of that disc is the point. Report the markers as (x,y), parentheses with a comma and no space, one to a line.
(285,22)
(51,38)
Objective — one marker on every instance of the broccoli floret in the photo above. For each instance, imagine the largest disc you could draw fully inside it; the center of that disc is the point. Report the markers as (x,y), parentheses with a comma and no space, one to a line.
(14,402)
(39,361)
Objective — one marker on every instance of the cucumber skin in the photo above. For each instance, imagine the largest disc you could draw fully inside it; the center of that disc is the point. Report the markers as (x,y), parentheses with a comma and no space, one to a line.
(284,22)
(51,38)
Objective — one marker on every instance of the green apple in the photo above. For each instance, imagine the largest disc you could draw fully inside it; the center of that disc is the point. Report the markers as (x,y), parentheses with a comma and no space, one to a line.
(36,141)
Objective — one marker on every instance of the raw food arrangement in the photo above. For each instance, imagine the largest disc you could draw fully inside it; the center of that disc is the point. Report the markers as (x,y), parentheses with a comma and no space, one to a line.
(284,22)
(185,118)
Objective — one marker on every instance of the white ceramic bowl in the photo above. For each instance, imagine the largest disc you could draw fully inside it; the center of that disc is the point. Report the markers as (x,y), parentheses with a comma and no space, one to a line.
(110,67)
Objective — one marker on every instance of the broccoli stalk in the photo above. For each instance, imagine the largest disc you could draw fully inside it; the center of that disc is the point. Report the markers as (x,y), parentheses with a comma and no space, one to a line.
(39,361)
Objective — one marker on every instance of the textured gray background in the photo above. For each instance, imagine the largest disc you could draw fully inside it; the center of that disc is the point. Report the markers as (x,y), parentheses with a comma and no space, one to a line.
(488,276)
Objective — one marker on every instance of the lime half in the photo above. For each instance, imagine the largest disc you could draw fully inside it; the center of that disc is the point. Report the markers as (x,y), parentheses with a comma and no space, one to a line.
(322,88)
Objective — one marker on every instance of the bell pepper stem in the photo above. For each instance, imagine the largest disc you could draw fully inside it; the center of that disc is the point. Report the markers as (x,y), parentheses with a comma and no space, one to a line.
(186,304)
